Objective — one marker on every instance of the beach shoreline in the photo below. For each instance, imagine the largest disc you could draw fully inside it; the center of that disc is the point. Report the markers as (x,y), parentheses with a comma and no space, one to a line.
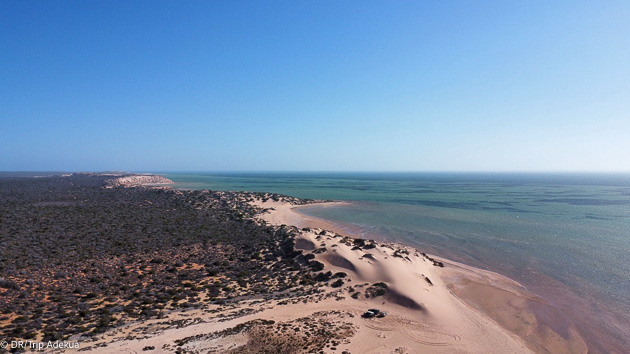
(496,297)
(431,304)
(553,304)
(531,242)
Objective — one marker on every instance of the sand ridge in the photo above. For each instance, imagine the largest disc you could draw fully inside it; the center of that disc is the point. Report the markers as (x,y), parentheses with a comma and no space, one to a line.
(423,296)
(489,295)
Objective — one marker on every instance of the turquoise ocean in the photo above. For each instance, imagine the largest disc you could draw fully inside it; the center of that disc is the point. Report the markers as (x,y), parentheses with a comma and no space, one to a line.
(565,237)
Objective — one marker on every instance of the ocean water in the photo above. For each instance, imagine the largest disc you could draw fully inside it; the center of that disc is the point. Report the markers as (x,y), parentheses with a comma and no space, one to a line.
(566,237)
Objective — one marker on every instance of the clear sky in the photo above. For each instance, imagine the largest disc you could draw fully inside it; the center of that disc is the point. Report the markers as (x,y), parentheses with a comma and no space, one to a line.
(315,85)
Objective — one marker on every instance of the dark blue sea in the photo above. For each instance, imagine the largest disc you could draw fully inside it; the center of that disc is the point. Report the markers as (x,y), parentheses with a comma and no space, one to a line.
(566,237)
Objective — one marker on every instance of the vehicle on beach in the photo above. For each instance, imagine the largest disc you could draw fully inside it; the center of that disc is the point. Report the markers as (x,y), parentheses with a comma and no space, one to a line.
(374,313)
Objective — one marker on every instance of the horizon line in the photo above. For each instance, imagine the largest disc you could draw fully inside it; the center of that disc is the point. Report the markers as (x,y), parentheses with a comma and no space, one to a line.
(331,171)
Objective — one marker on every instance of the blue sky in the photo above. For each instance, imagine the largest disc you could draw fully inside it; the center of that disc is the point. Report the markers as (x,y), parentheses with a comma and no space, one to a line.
(315,85)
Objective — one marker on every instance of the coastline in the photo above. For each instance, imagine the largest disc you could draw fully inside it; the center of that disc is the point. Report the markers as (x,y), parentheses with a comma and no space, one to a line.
(432,304)
(493,296)
(280,213)
(560,308)
(422,312)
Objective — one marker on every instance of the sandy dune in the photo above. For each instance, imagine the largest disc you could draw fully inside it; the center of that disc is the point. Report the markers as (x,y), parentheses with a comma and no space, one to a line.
(424,302)
(470,302)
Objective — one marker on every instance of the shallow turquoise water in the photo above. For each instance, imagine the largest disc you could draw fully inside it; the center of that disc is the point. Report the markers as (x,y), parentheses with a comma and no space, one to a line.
(565,237)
